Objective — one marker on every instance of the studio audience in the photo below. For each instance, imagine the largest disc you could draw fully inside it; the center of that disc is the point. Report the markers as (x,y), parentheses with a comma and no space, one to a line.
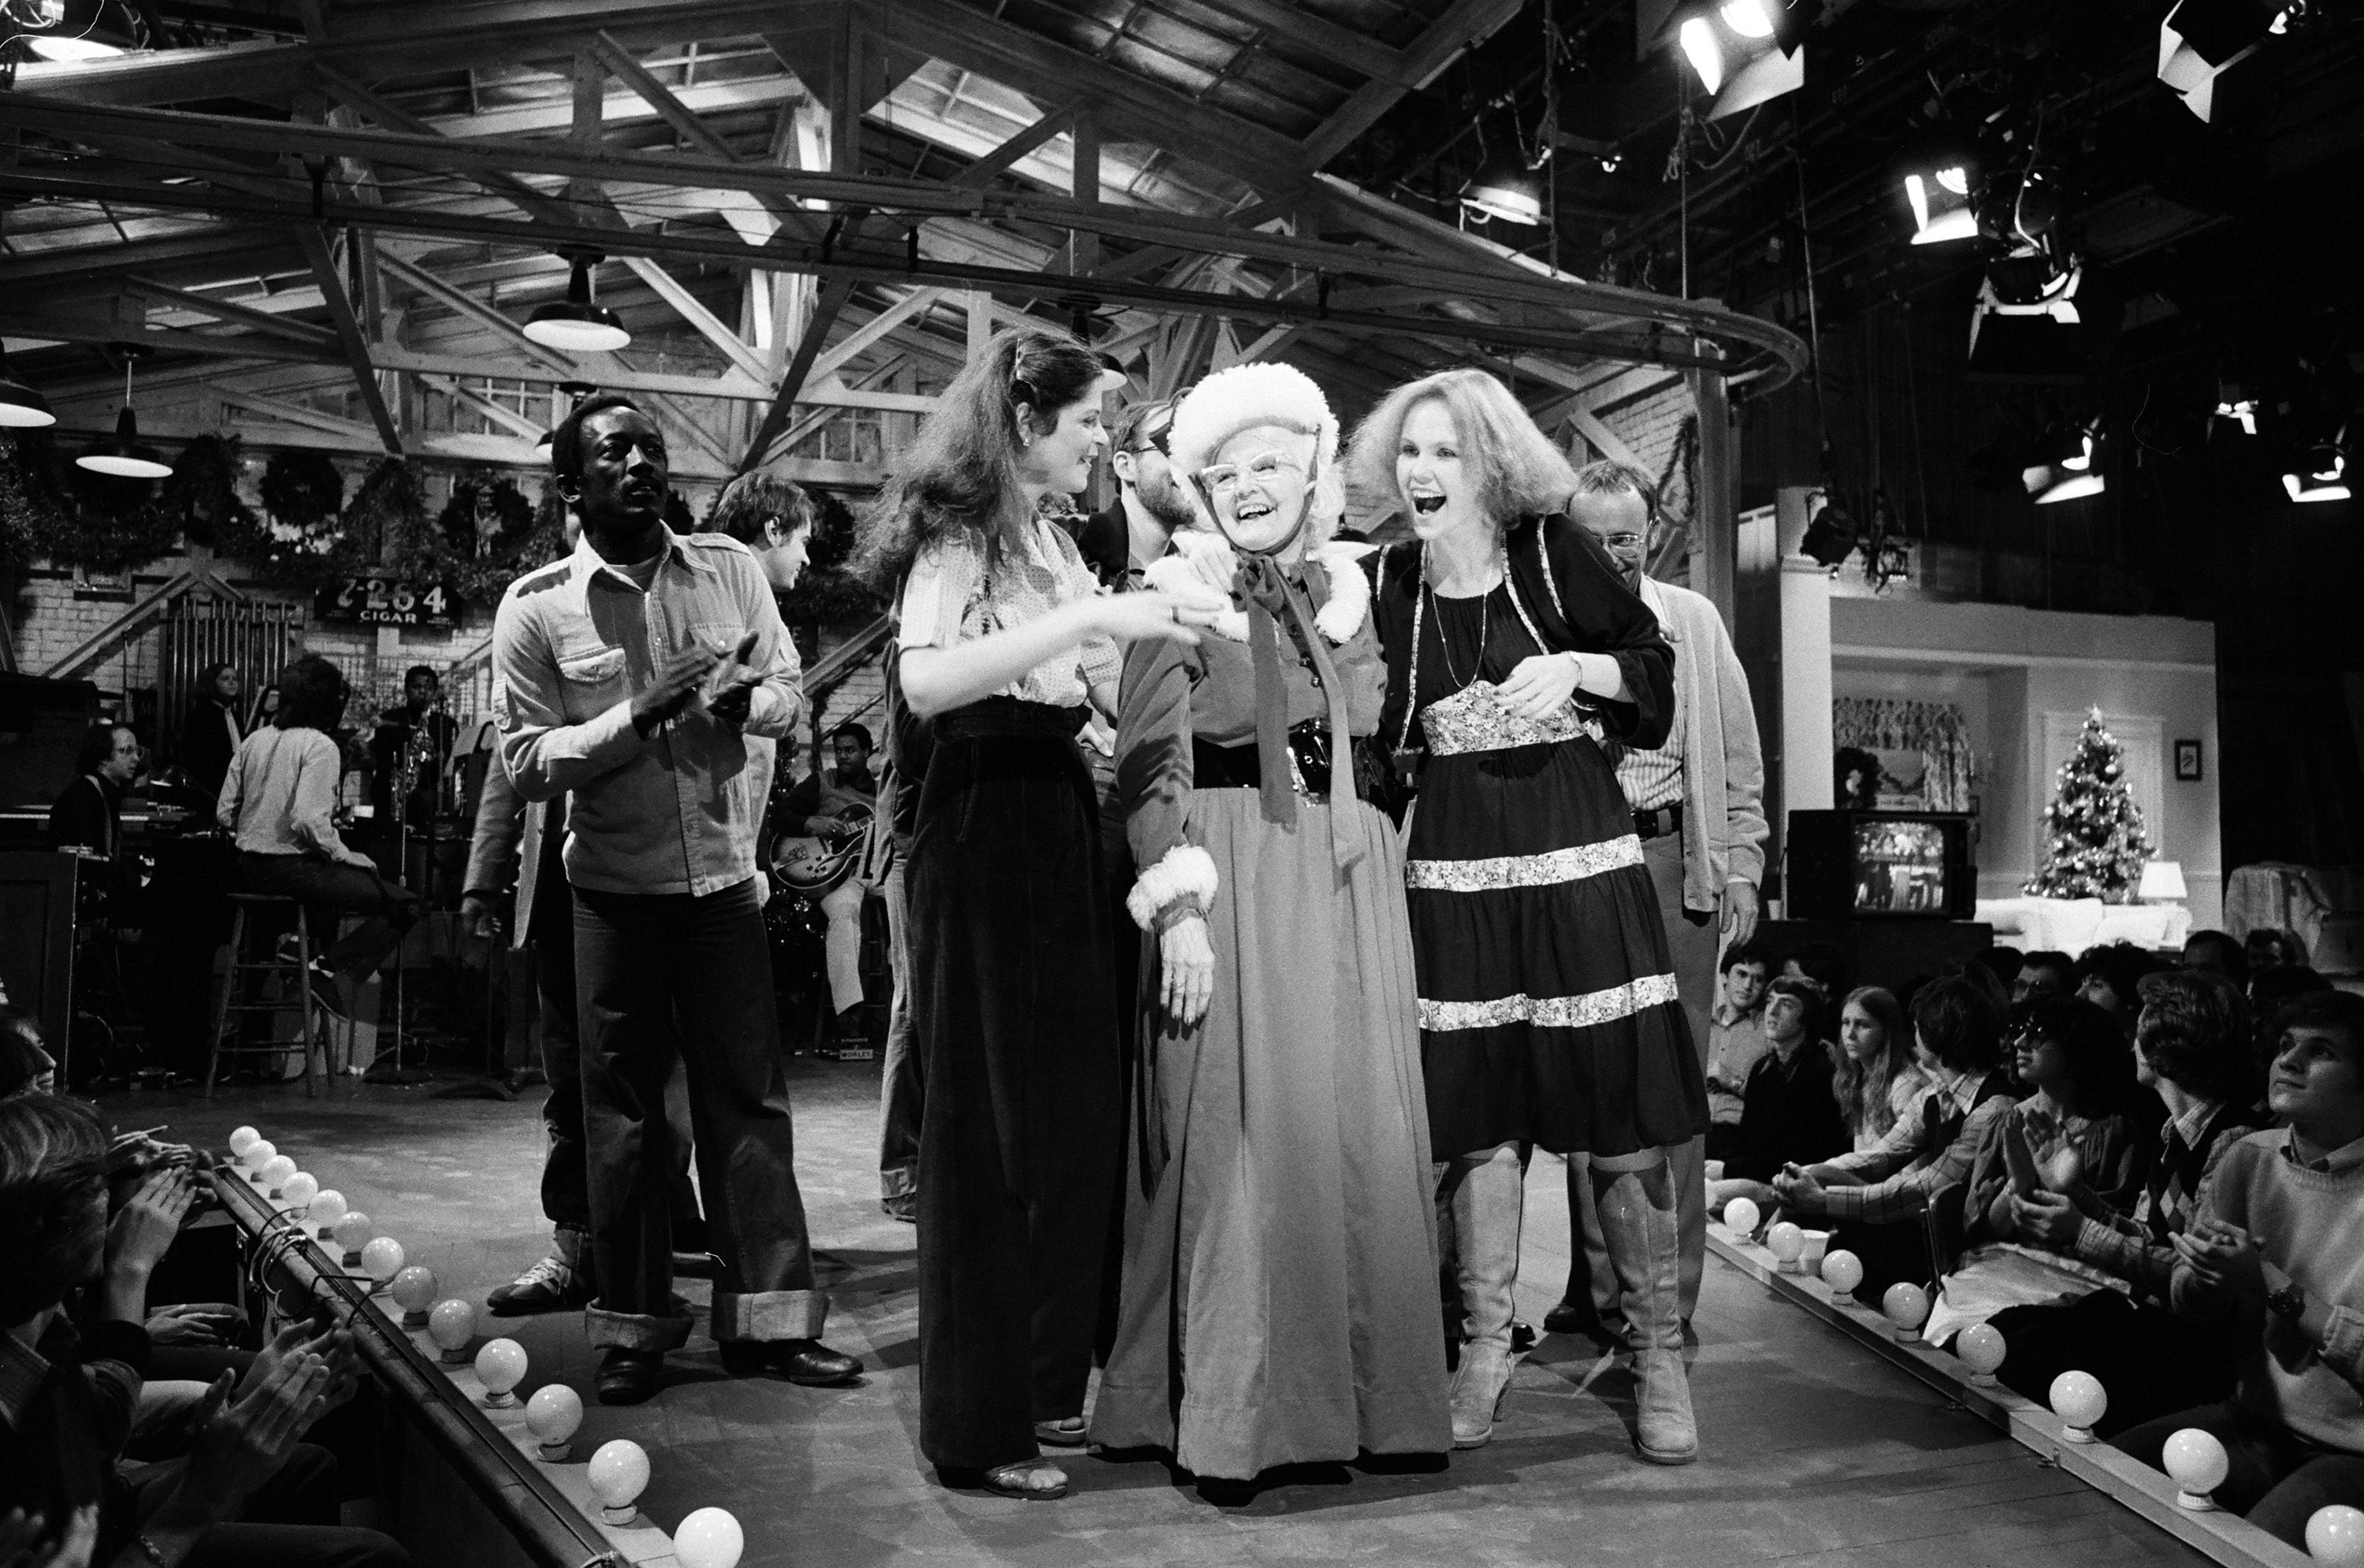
(1790,1116)
(1874,1078)
(1735,1041)
(2110,977)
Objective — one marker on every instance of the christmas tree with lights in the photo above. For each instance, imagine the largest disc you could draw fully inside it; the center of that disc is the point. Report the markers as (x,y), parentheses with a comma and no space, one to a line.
(2098,845)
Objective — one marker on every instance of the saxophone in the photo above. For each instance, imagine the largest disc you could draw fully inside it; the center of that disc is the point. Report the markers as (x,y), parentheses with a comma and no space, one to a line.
(418,759)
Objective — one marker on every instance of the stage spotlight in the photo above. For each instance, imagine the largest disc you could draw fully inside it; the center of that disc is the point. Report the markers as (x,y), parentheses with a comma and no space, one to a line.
(1506,188)
(2071,486)
(2070,446)
(2200,39)
(1704,50)
(2022,324)
(577,323)
(1940,179)
(2321,474)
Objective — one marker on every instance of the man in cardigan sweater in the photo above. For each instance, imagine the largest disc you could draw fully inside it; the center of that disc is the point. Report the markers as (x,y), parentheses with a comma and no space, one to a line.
(1699,807)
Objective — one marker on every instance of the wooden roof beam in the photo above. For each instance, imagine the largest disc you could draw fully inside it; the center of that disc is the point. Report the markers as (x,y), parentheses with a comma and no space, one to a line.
(691,309)
(832,298)
(1467,23)
(349,332)
(476,310)
(229,311)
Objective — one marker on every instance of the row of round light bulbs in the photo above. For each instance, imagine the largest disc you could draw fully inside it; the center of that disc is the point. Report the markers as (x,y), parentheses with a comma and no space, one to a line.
(618,1471)
(2194,1459)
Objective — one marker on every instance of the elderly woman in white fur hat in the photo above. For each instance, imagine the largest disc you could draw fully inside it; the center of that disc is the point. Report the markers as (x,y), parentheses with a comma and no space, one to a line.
(1279,1282)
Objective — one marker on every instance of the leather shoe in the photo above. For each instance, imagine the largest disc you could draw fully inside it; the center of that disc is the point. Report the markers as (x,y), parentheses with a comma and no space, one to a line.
(808,1362)
(1574,1317)
(629,1377)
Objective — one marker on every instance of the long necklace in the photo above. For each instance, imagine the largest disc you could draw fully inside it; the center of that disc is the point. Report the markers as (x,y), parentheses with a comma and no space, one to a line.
(1445,642)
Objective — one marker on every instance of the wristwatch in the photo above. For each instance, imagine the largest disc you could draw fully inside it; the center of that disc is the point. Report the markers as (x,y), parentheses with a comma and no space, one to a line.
(2287,1302)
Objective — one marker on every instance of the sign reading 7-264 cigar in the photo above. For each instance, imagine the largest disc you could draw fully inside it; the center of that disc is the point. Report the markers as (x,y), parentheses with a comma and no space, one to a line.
(386,601)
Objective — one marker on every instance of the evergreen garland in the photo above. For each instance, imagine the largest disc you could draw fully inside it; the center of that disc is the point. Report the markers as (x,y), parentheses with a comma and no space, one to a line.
(202,494)
(33,509)
(114,524)
(2097,842)
(292,543)
(527,534)
(387,527)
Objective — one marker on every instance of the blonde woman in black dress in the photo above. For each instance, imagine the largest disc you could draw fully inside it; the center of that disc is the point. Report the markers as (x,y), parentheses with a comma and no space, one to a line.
(1547,1006)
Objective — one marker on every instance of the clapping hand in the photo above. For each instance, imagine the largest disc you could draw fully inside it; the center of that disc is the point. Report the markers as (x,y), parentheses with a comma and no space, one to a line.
(2046,1217)
(684,674)
(2224,1256)
(1798,1188)
(242,1440)
(138,1235)
(20,1539)
(730,688)
(1539,686)
(204,1323)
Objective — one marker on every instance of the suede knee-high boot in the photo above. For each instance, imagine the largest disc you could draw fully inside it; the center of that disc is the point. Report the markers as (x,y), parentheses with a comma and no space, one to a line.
(1638,1221)
(1487,1208)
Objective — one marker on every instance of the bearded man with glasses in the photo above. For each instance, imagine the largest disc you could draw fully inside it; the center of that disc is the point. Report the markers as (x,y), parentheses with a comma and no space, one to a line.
(1699,807)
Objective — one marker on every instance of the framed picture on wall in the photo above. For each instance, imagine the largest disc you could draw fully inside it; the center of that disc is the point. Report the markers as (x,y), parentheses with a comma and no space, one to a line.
(2187,762)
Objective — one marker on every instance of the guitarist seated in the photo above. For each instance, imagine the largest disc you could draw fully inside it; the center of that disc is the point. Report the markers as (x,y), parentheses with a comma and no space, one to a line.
(835,806)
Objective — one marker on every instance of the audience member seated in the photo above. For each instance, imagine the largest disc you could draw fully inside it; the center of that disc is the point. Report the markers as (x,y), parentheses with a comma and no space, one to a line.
(1978,975)
(2272,1262)
(66,1396)
(2217,953)
(2077,1130)
(1874,1078)
(279,800)
(1735,1040)
(2003,963)
(2272,989)
(25,1064)
(2044,974)
(2191,1047)
(2111,977)
(1878,1197)
(1790,1116)
(2268,949)
(1825,963)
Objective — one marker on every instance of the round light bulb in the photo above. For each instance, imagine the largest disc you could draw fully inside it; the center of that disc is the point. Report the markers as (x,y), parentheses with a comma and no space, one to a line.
(327,1207)
(272,1177)
(258,1154)
(1786,1242)
(618,1473)
(708,1538)
(350,1231)
(553,1415)
(2335,1533)
(500,1366)
(1740,1217)
(300,1189)
(414,1290)
(1906,1307)
(1842,1271)
(2080,1400)
(2196,1460)
(451,1325)
(240,1136)
(382,1259)
(1982,1349)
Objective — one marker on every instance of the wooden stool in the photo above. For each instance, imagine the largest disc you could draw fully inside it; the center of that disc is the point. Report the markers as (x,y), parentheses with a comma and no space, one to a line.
(298,969)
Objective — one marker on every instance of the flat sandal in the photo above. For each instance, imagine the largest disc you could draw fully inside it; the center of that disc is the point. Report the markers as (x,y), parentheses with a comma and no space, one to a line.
(1009,1480)
(1058,1434)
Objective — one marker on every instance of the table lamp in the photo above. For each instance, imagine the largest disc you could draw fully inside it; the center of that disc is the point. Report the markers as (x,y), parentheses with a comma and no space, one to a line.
(2162,882)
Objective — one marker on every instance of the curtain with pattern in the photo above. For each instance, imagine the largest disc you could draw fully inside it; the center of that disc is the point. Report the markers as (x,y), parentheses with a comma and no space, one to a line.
(1934,729)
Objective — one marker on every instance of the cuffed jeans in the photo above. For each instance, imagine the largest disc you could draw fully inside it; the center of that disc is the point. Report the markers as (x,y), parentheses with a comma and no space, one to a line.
(328,888)
(662,977)
(898,1080)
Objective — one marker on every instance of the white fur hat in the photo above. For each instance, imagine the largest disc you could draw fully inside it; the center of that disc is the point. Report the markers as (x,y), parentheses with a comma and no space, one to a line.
(1260,392)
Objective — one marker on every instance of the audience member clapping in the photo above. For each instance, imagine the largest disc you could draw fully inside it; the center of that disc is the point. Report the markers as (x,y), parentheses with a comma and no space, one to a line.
(1874,1079)
(1735,1040)
(1790,1116)
(2271,1260)
(1878,1195)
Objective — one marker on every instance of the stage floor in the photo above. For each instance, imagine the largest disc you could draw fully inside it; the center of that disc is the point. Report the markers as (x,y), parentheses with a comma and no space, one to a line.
(1817,1454)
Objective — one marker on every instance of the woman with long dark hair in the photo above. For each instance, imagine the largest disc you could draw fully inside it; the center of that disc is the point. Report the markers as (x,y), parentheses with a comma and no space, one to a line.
(1547,1005)
(279,802)
(1005,642)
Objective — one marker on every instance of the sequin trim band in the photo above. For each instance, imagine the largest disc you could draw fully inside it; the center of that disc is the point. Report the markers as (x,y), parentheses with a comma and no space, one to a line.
(1525,871)
(1474,719)
(1551,1012)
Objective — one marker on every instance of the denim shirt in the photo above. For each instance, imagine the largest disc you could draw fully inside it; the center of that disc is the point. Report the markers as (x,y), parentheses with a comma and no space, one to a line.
(674,811)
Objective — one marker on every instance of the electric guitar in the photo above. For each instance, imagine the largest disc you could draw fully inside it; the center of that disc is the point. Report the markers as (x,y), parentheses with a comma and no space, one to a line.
(815,866)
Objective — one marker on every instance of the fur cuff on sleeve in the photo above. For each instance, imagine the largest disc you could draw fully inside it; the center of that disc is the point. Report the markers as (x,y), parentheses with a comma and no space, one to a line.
(1187,872)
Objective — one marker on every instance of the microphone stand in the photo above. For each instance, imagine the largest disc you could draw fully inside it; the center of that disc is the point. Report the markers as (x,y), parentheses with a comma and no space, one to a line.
(416,750)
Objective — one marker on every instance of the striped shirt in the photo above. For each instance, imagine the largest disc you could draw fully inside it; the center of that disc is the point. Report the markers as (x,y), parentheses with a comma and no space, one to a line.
(1653,781)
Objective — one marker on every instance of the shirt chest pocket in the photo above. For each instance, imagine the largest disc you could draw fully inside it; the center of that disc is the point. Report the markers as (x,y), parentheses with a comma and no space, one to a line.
(592,680)
(719,638)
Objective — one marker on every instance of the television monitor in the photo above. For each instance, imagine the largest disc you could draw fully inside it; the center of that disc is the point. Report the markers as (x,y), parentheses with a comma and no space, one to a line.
(1879,865)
